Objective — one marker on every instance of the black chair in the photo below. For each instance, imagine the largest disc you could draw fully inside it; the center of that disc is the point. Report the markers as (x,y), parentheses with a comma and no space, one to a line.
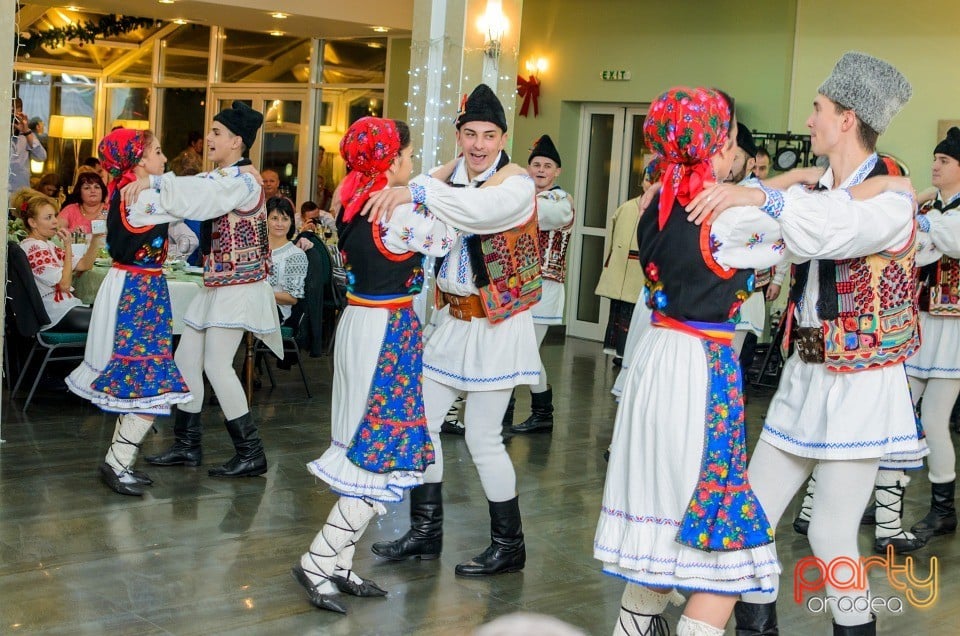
(23,300)
(290,348)
(323,300)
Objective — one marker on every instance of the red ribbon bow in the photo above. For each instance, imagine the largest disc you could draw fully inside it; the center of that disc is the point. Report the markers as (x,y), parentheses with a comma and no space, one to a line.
(529,90)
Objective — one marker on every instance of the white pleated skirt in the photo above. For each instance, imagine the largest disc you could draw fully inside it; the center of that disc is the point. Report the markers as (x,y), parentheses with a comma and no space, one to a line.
(939,354)
(251,307)
(655,463)
(549,311)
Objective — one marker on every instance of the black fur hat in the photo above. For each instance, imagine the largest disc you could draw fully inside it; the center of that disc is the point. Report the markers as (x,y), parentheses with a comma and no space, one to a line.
(242,121)
(544,147)
(483,105)
(951,145)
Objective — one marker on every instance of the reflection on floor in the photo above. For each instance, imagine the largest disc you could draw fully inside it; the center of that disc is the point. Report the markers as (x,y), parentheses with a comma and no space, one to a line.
(201,556)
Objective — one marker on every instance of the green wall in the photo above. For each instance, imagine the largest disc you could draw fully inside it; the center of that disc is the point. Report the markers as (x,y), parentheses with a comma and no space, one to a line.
(398,82)
(741,46)
(919,37)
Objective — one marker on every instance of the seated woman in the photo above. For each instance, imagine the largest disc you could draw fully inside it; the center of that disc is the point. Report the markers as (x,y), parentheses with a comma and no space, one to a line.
(289,261)
(90,204)
(54,266)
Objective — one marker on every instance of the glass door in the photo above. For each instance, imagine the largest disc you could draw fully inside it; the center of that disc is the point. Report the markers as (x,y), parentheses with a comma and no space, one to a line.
(611,162)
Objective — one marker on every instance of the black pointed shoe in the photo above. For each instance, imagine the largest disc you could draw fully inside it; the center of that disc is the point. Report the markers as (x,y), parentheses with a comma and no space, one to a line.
(365,589)
(113,482)
(142,478)
(317,599)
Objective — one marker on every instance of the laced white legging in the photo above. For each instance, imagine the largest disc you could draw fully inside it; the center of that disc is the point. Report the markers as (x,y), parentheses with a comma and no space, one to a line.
(483,421)
(843,490)
(938,394)
(211,352)
(541,331)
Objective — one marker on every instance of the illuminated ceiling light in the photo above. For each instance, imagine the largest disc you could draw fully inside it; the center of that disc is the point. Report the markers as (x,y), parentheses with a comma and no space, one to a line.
(165,1)
(179,21)
(72,8)
(380,29)
(279,15)
(375,45)
(276,34)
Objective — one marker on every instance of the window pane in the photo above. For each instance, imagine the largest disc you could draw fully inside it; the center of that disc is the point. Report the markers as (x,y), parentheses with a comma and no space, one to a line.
(598,171)
(185,53)
(591,264)
(182,112)
(638,150)
(264,58)
(128,104)
(355,61)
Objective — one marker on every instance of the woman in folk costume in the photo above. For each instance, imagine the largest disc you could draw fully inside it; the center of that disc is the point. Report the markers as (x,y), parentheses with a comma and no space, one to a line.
(678,511)
(128,364)
(380,445)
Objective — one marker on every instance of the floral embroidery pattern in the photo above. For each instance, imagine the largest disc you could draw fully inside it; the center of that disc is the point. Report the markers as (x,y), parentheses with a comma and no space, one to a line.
(142,361)
(393,434)
(724,513)
(653,295)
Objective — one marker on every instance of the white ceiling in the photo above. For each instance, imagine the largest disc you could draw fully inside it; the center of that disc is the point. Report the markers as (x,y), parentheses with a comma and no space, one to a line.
(307,18)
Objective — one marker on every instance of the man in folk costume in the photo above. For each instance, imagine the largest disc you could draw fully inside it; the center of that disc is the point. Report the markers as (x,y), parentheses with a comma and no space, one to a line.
(555,218)
(236,296)
(843,399)
(934,373)
(484,343)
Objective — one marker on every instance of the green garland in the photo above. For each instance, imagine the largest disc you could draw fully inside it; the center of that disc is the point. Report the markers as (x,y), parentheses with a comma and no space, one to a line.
(86,32)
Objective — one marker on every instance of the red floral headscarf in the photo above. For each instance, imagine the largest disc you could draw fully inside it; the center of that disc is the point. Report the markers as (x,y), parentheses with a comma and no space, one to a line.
(120,152)
(686,126)
(369,148)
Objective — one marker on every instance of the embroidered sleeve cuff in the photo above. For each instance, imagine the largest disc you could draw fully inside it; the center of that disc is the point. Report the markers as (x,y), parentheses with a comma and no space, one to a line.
(418,193)
(774,204)
(923,223)
(155,181)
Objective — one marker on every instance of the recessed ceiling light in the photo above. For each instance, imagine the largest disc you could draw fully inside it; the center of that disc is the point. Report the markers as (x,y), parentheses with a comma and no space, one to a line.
(72,8)
(165,1)
(179,21)
(380,29)
(279,15)
(375,45)
(276,33)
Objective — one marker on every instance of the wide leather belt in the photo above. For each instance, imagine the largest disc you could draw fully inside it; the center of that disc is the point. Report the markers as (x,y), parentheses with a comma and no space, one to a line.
(463,307)
(809,344)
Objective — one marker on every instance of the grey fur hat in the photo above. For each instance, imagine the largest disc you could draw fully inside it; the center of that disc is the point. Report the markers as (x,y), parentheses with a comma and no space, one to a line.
(872,88)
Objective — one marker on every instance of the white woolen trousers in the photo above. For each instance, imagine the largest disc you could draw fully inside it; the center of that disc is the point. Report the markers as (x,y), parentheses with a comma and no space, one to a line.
(938,394)
(211,351)
(541,331)
(483,421)
(843,490)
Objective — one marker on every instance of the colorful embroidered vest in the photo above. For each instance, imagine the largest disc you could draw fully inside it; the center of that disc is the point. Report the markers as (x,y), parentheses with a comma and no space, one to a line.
(239,249)
(511,260)
(372,270)
(939,282)
(682,280)
(868,306)
(137,246)
(506,266)
(553,252)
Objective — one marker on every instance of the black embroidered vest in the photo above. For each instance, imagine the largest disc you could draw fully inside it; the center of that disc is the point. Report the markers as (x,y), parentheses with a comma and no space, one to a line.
(682,279)
(128,245)
(372,270)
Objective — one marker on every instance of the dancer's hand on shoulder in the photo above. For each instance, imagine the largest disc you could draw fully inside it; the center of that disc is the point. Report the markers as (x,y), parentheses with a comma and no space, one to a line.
(253,172)
(504,173)
(132,190)
(444,172)
(648,196)
(714,200)
(379,207)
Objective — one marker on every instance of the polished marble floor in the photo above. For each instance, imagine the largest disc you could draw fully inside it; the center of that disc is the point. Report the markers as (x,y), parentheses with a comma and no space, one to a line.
(206,556)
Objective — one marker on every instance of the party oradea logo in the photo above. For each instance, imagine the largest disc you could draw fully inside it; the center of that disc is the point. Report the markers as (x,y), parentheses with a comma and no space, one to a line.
(812,575)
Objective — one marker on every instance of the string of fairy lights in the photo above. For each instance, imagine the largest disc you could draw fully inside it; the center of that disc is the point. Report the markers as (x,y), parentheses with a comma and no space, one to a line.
(435,93)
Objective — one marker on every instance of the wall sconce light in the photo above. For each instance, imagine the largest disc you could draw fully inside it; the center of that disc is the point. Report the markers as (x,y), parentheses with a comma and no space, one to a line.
(493,25)
(536,66)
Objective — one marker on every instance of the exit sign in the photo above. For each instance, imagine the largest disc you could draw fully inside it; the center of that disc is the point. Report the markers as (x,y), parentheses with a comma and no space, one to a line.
(615,76)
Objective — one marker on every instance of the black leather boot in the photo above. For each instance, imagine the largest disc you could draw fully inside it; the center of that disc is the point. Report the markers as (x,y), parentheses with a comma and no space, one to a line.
(511,407)
(250,459)
(865,629)
(756,619)
(424,539)
(186,451)
(506,552)
(942,518)
(541,418)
